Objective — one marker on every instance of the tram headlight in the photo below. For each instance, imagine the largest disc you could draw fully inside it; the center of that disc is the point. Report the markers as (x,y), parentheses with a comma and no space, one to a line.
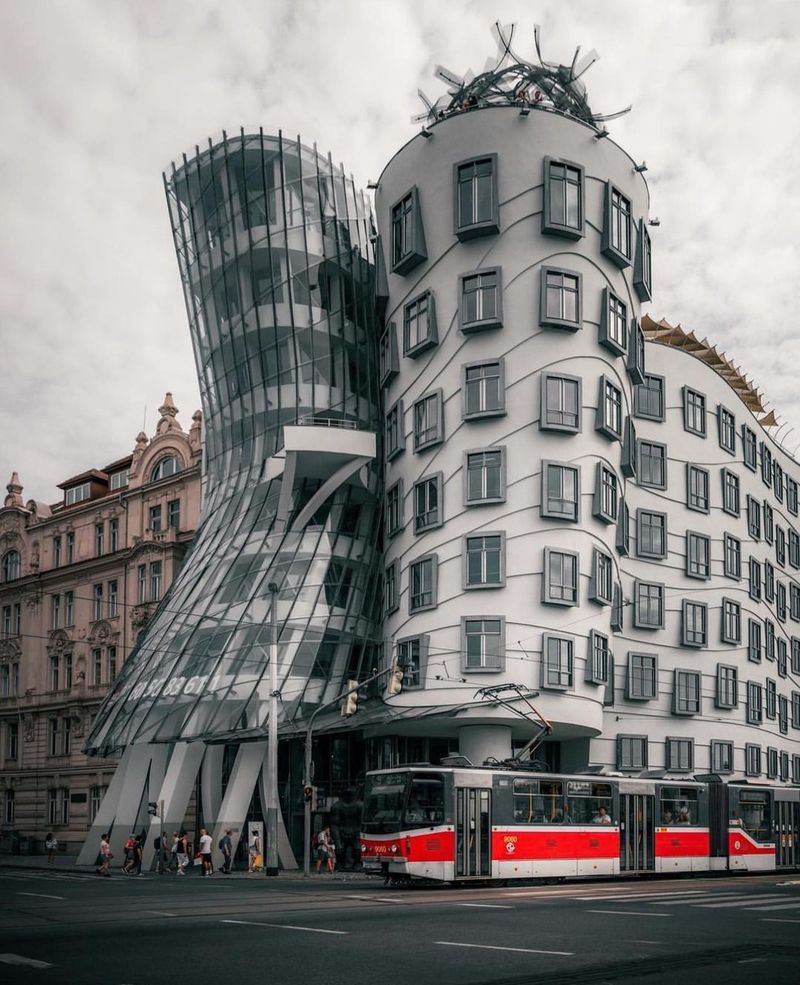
(363,849)
(394,849)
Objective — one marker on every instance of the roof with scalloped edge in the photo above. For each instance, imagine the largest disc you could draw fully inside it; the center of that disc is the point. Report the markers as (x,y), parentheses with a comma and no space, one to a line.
(665,334)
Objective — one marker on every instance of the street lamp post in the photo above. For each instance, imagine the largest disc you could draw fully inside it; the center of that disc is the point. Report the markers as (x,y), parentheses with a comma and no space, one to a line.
(271,854)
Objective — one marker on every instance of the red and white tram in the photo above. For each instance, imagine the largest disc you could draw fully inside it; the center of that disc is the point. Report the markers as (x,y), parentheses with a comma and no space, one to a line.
(459,824)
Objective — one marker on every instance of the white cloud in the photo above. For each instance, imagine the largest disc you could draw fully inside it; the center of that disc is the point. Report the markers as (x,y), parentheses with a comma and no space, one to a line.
(100,94)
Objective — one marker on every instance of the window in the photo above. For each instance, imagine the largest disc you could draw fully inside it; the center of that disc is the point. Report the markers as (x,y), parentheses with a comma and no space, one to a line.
(753,518)
(155,581)
(686,699)
(391,594)
(652,462)
(732,556)
(635,362)
(783,714)
(174,514)
(609,410)
(558,661)
(388,355)
(427,505)
(727,429)
(561,403)
(697,488)
(395,519)
(752,760)
(141,583)
(395,434)
(769,639)
(423,583)
(780,545)
(781,656)
(483,642)
(648,605)
(70,543)
(694,623)
(99,539)
(769,525)
(55,611)
(614,323)
(12,565)
(481,301)
(769,582)
(54,672)
(154,521)
(642,678)
(484,560)
(428,421)
(112,664)
(77,494)
(679,755)
(560,491)
(631,752)
(618,227)
(118,479)
(730,492)
(483,386)
(749,454)
(485,480)
(419,325)
(606,495)
(97,602)
(96,795)
(794,602)
(56,552)
(12,739)
(602,580)
(777,481)
(795,709)
(780,601)
(8,805)
(6,622)
(597,659)
(476,212)
(560,577)
(113,596)
(627,462)
(766,465)
(560,305)
(164,468)
(731,630)
(623,539)
(755,707)
(755,579)
(698,555)
(563,198)
(648,398)
(794,548)
(727,687)
(721,756)
(616,611)
(791,495)
(694,412)
(69,608)
(57,806)
(97,666)
(412,656)
(772,763)
(795,655)
(643,268)
(651,534)
(113,534)
(408,236)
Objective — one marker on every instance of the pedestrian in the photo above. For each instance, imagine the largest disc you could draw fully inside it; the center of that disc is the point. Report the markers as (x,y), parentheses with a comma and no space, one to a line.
(173,852)
(104,857)
(129,864)
(51,844)
(255,854)
(182,854)
(326,850)
(226,847)
(138,852)
(205,852)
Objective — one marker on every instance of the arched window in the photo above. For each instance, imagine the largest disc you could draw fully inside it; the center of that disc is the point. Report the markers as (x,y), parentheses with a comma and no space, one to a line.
(164,468)
(12,566)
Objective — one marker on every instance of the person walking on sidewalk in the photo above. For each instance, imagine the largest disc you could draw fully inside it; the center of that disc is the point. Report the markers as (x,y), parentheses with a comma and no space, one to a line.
(205,852)
(104,857)
(51,844)
(226,847)
(182,853)
(326,850)
(255,854)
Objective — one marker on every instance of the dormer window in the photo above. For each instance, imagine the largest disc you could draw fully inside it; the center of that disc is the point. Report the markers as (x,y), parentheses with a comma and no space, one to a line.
(165,468)
(119,479)
(77,494)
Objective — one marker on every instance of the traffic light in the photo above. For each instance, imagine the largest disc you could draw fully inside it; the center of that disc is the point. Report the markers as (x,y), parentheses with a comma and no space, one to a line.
(350,703)
(310,795)
(152,808)
(396,679)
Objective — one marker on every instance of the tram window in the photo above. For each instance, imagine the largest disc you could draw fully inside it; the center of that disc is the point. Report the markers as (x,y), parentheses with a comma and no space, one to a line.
(425,802)
(585,799)
(679,805)
(538,802)
(755,814)
(383,802)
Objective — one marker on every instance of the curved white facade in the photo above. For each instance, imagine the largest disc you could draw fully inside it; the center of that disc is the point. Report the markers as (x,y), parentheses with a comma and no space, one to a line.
(504,566)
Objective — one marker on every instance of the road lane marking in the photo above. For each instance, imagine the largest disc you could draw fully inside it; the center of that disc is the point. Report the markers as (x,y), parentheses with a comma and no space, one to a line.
(42,896)
(776,906)
(777,920)
(631,913)
(494,947)
(489,906)
(18,959)
(644,896)
(161,913)
(720,897)
(286,926)
(750,902)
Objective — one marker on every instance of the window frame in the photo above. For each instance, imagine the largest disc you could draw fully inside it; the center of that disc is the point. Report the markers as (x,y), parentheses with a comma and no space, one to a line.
(640,550)
(430,561)
(544,410)
(602,424)
(500,410)
(485,227)
(636,763)
(598,504)
(731,492)
(693,502)
(694,537)
(605,337)
(680,704)
(690,409)
(726,694)
(388,354)
(617,255)
(501,497)
(730,622)
(647,671)
(501,658)
(638,584)
(395,426)
(637,391)
(693,637)
(555,321)
(643,264)
(717,763)
(480,324)
(548,598)
(597,668)
(641,443)
(416,253)
(749,448)
(434,399)
(431,338)
(468,586)
(726,422)
(674,749)
(395,491)
(547,683)
(549,224)
(437,478)
(546,511)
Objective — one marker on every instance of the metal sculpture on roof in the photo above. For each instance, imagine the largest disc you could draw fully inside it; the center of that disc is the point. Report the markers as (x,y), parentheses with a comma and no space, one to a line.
(508,80)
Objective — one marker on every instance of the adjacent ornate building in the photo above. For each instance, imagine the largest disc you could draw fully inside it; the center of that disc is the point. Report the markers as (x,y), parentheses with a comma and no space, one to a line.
(79,580)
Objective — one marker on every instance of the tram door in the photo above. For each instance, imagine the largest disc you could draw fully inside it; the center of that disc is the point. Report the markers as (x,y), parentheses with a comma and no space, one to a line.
(636,831)
(787,833)
(473,831)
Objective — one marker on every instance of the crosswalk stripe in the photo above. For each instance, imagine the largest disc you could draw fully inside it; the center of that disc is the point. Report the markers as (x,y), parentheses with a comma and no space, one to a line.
(776,906)
(720,896)
(19,959)
(645,896)
(739,902)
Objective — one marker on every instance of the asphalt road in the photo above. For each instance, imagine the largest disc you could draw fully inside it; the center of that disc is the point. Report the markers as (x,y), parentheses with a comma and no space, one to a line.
(84,930)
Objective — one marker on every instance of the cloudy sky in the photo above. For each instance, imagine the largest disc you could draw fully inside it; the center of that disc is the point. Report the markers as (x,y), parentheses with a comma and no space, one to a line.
(99,96)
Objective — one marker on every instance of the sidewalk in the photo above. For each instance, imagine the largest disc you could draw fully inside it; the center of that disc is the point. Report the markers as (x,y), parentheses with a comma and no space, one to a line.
(66,863)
